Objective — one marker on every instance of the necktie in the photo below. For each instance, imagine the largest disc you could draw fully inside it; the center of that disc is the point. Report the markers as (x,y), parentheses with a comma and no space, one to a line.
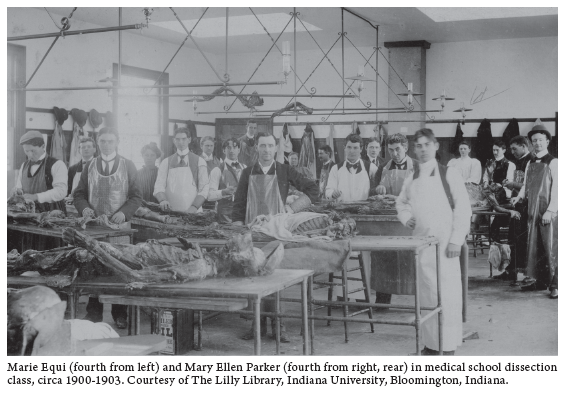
(355,166)
(182,163)
(106,170)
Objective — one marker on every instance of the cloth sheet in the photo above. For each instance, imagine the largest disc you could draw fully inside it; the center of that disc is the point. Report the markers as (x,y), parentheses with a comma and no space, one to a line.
(282,225)
(499,256)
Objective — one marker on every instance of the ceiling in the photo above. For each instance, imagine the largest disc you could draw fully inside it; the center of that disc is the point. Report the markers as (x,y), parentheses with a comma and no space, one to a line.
(324,24)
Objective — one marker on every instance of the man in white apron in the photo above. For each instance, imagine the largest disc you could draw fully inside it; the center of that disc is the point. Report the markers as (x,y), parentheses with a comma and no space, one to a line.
(87,149)
(325,155)
(182,180)
(540,193)
(398,168)
(224,180)
(261,190)
(353,179)
(108,186)
(431,207)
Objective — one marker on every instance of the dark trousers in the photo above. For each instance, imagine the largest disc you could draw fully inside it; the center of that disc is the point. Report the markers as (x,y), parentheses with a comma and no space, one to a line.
(96,308)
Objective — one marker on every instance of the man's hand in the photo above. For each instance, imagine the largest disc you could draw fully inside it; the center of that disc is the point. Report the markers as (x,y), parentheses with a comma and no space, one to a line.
(336,194)
(546,218)
(88,213)
(31,197)
(515,215)
(453,250)
(380,189)
(515,200)
(411,223)
(192,209)
(18,192)
(69,199)
(118,217)
(237,223)
(165,206)
(228,191)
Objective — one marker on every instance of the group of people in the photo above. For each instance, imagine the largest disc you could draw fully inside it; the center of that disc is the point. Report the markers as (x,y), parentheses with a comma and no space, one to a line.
(432,199)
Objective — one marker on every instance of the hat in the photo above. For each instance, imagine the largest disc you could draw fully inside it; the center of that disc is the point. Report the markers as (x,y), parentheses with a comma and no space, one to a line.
(95,118)
(79,116)
(61,115)
(29,136)
(539,129)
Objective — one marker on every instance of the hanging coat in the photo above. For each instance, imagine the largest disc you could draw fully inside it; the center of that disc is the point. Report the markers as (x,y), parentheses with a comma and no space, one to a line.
(330,143)
(285,146)
(307,157)
(78,133)
(484,143)
(512,130)
(58,143)
(425,199)
(457,140)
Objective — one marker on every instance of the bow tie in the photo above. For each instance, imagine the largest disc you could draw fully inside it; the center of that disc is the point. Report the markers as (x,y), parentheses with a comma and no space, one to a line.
(235,165)
(356,166)
(395,166)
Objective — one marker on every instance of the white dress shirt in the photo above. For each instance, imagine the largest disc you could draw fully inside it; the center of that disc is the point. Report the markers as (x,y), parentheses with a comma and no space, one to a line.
(211,157)
(266,169)
(203,178)
(215,176)
(333,177)
(60,178)
(109,160)
(552,207)
(469,168)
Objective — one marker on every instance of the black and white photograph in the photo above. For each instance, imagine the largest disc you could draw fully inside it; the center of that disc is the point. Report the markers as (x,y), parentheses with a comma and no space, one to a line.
(283,181)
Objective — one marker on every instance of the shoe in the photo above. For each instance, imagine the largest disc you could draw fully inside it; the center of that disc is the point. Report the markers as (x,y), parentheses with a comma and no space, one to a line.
(284,337)
(553,294)
(249,334)
(121,323)
(93,318)
(504,276)
(527,279)
(430,352)
(533,286)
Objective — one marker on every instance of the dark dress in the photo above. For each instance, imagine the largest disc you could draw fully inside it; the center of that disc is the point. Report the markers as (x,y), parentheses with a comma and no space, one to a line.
(146,178)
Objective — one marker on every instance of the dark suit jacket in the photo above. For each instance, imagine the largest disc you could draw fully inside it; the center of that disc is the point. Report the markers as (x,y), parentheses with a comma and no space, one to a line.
(72,172)
(286,176)
(134,193)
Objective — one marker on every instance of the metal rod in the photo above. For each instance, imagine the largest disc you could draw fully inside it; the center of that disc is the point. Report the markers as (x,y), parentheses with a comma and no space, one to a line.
(119,68)
(264,95)
(377,70)
(193,85)
(342,59)
(295,92)
(42,60)
(358,113)
(360,17)
(78,32)
(227,21)
(315,109)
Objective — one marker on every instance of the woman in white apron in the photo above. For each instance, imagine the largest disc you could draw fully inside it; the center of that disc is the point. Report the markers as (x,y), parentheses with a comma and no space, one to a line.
(423,205)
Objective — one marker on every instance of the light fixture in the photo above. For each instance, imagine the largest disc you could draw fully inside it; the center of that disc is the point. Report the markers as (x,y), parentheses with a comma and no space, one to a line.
(462,110)
(410,95)
(360,78)
(443,97)
(286,59)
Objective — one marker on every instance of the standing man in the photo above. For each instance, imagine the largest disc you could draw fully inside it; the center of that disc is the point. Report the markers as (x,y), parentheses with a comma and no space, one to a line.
(261,190)
(147,175)
(469,168)
(86,149)
(224,180)
(325,155)
(398,168)
(248,153)
(182,180)
(540,194)
(293,162)
(207,146)
(353,179)
(373,148)
(42,179)
(108,186)
(434,202)
(499,169)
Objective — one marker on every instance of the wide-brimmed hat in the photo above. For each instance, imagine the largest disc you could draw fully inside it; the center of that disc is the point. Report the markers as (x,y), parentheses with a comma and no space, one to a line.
(79,116)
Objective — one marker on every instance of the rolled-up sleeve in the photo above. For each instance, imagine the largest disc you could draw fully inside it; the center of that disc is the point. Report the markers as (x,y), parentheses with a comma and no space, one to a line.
(59,191)
(332,182)
(403,206)
(214,194)
(203,178)
(462,211)
(161,181)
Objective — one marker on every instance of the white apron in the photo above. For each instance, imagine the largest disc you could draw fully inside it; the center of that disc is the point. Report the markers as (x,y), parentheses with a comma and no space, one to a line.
(353,187)
(263,196)
(181,189)
(434,217)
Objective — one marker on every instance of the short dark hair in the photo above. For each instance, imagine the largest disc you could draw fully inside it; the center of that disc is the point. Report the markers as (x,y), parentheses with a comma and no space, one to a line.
(464,143)
(397,138)
(152,146)
(233,140)
(354,139)
(84,140)
(292,154)
(519,140)
(326,148)
(251,121)
(109,130)
(207,138)
(428,133)
(182,130)
(499,143)
(264,134)
(35,142)
(544,132)
(373,139)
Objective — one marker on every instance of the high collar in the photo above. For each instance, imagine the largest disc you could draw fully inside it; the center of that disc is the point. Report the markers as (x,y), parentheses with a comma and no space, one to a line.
(86,161)
(402,162)
(502,158)
(183,152)
(229,162)
(542,153)
(328,162)
(41,157)
(267,168)
(525,155)
(351,162)
(465,158)
(428,166)
(249,136)
(109,157)
(206,157)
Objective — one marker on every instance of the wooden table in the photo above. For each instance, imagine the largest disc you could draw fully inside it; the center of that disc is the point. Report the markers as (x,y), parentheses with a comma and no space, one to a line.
(98,232)
(253,288)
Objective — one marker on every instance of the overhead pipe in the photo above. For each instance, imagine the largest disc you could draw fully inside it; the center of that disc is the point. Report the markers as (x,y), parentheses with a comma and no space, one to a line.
(78,32)
(369,111)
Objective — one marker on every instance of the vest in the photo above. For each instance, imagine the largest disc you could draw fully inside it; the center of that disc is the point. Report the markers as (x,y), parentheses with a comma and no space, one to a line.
(500,171)
(192,164)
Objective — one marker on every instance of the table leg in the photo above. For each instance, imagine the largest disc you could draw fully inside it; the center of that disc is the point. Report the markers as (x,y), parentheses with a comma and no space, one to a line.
(130,320)
(345,293)
(72,299)
(137,320)
(311,307)
(440,313)
(257,326)
(417,303)
(305,335)
(365,261)
(278,321)
(465,277)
